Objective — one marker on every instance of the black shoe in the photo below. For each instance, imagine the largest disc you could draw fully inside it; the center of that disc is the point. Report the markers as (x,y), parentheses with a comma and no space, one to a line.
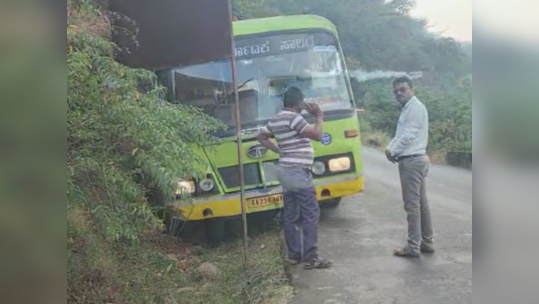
(403,252)
(426,249)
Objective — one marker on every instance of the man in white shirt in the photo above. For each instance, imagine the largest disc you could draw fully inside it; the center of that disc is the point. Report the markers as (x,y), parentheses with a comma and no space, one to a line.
(408,148)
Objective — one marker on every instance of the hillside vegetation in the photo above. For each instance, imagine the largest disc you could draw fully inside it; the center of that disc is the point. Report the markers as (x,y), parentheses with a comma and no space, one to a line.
(123,146)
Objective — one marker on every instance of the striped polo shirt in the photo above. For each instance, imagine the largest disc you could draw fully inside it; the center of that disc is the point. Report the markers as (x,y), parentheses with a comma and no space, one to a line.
(295,149)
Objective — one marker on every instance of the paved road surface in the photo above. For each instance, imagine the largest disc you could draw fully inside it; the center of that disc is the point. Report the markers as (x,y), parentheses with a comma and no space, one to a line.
(360,234)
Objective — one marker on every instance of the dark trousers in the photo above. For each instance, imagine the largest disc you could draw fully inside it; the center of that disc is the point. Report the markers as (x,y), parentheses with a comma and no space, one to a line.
(300,208)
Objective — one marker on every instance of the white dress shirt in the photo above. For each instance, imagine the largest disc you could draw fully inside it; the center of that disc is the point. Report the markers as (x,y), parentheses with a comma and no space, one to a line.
(412,134)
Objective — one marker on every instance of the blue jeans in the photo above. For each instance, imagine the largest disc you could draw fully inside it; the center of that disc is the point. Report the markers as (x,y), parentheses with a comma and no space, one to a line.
(300,208)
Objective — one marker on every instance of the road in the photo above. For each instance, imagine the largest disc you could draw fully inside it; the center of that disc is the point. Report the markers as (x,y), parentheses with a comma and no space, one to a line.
(360,234)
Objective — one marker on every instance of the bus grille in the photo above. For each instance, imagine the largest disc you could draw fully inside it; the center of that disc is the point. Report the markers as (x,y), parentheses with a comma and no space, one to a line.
(270,172)
(230,175)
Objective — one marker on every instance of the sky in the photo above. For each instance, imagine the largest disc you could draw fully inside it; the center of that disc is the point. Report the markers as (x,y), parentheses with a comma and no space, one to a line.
(453,17)
(512,18)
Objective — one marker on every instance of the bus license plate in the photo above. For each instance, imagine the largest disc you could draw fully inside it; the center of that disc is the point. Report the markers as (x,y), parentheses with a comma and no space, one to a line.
(265,201)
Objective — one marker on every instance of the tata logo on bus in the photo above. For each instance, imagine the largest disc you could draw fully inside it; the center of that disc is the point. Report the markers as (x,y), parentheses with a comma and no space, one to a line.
(257,151)
(326,139)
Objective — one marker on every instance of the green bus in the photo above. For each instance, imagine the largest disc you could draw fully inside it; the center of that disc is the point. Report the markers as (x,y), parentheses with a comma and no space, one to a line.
(271,55)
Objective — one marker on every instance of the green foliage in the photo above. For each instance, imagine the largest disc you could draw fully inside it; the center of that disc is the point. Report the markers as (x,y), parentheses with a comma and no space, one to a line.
(447,57)
(403,6)
(124,143)
(450,113)
(161,270)
(382,111)
(247,9)
(376,139)
(121,142)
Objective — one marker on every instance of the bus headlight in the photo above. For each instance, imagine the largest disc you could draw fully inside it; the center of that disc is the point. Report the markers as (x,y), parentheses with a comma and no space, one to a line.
(339,164)
(206,184)
(319,168)
(185,186)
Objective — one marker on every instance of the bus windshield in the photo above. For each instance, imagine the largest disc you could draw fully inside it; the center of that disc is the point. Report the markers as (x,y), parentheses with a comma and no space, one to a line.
(266,66)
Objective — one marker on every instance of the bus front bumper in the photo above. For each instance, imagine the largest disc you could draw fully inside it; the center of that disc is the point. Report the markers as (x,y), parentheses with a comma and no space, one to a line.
(229,205)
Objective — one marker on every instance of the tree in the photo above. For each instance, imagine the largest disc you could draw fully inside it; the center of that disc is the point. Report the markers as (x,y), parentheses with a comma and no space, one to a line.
(446,56)
(403,7)
(247,9)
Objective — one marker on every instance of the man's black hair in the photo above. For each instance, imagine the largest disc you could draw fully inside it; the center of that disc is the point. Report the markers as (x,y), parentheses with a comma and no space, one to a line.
(292,97)
(404,79)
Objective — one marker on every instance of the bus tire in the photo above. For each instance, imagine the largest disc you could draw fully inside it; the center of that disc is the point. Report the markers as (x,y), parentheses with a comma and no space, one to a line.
(331,203)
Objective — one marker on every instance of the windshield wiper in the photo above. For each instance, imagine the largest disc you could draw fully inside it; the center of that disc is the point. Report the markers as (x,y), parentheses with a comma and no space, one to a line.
(239,87)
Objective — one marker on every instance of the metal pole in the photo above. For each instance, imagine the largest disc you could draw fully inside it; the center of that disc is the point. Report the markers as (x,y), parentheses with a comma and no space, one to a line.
(238,137)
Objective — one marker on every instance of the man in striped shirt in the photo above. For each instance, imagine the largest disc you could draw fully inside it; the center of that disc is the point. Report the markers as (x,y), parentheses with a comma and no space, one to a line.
(296,156)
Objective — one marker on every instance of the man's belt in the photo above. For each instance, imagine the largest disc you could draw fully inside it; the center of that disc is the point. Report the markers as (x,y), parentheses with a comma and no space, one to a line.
(409,156)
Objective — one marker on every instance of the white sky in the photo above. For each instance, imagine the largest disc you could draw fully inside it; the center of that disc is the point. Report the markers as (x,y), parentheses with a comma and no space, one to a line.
(514,18)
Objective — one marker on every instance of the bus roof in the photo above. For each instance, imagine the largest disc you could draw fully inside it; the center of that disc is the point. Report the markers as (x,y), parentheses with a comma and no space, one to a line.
(281,23)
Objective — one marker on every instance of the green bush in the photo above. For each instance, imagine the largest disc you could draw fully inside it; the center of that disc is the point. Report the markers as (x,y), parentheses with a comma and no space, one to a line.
(122,142)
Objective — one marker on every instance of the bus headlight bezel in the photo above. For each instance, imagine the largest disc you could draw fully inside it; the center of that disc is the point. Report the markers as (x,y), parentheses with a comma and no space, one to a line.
(206,184)
(318,168)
